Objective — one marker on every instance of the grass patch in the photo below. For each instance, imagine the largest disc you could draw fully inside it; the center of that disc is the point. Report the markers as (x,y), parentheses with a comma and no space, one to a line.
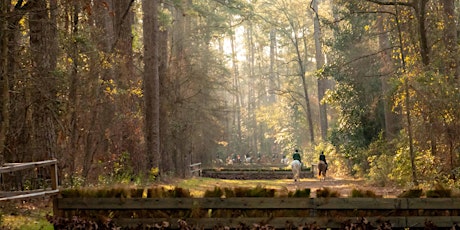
(26,223)
(198,186)
(30,214)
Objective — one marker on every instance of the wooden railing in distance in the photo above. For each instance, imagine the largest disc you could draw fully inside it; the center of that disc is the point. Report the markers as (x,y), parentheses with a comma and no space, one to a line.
(280,213)
(30,179)
(195,169)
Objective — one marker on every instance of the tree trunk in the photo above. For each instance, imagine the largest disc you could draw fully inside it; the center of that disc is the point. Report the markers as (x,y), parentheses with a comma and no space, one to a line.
(4,83)
(42,43)
(420,10)
(237,94)
(322,83)
(73,97)
(151,85)
(451,39)
(407,100)
(392,123)
(252,123)
(273,83)
(306,96)
(166,159)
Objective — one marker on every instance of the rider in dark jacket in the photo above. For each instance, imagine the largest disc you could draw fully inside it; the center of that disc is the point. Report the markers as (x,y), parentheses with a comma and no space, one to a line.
(322,157)
(296,156)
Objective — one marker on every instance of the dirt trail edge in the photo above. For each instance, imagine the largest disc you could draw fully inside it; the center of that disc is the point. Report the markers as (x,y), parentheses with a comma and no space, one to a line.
(343,186)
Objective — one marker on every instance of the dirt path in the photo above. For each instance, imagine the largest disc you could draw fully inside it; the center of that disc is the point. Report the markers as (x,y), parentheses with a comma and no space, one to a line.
(343,186)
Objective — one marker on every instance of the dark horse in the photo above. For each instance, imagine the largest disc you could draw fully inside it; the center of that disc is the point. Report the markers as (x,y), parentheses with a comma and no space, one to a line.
(322,170)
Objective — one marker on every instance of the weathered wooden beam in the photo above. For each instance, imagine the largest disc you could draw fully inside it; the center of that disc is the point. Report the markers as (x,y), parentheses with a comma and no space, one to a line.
(319,204)
(182,203)
(30,195)
(28,165)
(196,164)
(54,176)
(16,193)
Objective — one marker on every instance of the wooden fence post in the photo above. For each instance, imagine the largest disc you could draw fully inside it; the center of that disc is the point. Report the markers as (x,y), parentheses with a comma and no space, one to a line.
(54,177)
(195,168)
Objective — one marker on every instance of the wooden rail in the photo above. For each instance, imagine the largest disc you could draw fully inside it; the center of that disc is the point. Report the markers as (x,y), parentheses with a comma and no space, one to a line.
(254,174)
(30,179)
(279,213)
(195,169)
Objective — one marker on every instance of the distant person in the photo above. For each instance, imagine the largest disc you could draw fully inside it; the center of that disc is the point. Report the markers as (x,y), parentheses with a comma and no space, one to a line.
(322,157)
(284,160)
(296,156)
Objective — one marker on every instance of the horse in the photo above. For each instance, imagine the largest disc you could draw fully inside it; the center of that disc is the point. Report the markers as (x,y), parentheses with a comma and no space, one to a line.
(247,158)
(284,161)
(322,170)
(296,166)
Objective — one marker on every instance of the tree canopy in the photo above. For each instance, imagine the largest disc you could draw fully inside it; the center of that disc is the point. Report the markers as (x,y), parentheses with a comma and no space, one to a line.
(126,91)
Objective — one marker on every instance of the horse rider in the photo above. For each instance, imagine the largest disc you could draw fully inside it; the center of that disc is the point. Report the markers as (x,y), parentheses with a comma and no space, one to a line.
(322,157)
(296,156)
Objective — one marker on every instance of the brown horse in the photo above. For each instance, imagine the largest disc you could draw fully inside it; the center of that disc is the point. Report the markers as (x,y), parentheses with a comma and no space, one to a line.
(322,168)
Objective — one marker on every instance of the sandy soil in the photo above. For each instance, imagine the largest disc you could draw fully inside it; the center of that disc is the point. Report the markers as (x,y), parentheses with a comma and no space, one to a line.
(343,186)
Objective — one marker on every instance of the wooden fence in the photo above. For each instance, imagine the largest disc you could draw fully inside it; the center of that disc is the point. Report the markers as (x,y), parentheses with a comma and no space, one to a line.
(254,174)
(279,213)
(30,179)
(257,171)
(195,169)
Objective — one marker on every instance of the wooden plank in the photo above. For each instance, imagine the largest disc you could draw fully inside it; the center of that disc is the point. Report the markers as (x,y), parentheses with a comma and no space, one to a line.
(54,176)
(389,203)
(28,165)
(282,172)
(15,193)
(294,222)
(253,174)
(24,196)
(360,203)
(254,169)
(183,203)
(262,203)
(433,203)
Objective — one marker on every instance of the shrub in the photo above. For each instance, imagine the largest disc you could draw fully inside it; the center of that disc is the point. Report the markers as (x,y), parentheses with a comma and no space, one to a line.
(258,191)
(217,192)
(300,193)
(363,193)
(412,193)
(327,192)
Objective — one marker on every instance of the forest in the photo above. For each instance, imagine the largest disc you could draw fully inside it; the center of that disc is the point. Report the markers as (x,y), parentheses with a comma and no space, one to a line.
(135,90)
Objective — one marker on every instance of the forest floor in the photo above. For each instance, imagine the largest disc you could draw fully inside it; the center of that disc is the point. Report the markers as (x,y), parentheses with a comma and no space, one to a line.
(342,185)
(30,214)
